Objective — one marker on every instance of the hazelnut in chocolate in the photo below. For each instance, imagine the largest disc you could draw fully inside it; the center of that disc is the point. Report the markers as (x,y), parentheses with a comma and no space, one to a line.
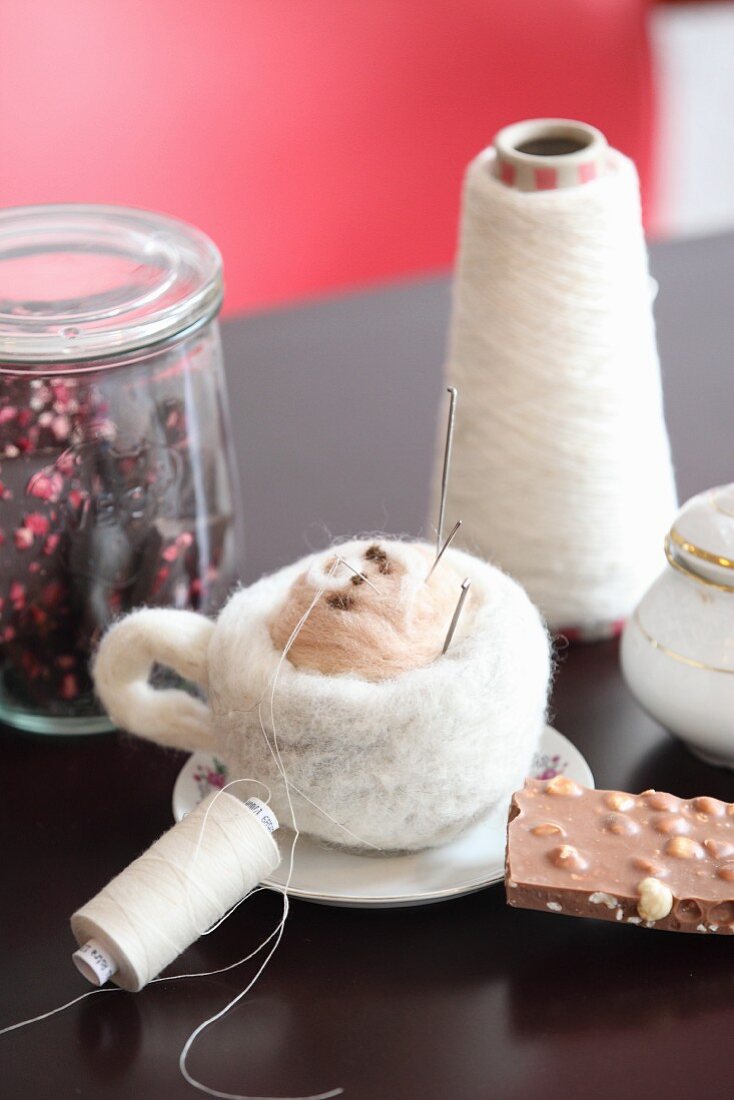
(650,859)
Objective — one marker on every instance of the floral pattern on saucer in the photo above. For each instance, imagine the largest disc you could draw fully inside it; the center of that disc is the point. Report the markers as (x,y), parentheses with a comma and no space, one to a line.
(547,767)
(210,776)
(473,860)
(213,775)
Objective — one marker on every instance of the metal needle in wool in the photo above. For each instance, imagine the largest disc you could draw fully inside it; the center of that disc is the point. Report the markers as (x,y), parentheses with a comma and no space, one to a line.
(446,463)
(342,561)
(466,585)
(443,550)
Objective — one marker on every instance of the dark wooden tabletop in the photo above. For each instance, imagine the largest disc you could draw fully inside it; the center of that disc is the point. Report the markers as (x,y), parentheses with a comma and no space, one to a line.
(334,406)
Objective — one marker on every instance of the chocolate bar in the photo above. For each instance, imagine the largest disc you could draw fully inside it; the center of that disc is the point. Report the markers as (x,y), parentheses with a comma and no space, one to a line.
(651,859)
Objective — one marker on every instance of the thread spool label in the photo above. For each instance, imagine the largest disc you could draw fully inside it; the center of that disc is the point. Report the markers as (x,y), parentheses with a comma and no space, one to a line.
(263,813)
(94,958)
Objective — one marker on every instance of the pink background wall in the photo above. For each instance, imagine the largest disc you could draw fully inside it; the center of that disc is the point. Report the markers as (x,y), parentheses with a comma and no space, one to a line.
(320,142)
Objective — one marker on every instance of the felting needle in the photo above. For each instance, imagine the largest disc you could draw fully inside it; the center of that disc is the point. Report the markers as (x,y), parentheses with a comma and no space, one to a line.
(443,550)
(465,586)
(446,463)
(343,561)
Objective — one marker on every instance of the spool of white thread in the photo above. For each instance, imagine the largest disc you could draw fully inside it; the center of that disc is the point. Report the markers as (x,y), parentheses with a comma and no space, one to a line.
(185,882)
(561,464)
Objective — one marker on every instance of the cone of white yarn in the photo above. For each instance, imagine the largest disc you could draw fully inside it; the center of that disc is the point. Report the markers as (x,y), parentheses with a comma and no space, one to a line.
(188,879)
(561,462)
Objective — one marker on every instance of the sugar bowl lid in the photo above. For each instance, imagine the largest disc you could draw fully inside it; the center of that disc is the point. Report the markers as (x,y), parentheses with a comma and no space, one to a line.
(702,536)
(79,282)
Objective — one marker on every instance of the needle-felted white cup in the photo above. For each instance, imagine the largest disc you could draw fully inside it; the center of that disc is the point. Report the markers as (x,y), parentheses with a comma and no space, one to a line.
(385,742)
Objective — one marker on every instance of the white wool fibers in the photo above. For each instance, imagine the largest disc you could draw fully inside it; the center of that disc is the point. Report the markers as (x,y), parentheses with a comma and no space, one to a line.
(401,764)
(398,764)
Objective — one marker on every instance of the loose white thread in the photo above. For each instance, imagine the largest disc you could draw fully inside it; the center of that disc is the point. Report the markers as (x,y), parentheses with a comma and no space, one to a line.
(155,981)
(277,758)
(54,1011)
(560,458)
(275,934)
(278,931)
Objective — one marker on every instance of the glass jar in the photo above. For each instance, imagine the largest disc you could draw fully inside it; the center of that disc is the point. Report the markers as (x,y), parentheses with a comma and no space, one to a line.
(116,473)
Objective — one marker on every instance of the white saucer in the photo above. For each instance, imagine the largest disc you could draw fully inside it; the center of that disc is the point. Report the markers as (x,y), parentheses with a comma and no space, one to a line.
(474,860)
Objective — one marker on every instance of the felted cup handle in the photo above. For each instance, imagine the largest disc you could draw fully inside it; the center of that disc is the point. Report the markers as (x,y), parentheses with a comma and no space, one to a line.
(121,670)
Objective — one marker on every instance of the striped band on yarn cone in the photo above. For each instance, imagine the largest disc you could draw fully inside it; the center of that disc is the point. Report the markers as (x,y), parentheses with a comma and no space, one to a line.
(546,154)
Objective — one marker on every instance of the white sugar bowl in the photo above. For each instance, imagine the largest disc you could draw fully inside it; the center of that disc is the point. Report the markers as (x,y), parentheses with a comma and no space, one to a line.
(678,646)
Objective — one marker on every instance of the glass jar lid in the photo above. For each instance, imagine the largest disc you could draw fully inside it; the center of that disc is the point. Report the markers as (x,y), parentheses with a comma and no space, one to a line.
(82,282)
(702,536)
